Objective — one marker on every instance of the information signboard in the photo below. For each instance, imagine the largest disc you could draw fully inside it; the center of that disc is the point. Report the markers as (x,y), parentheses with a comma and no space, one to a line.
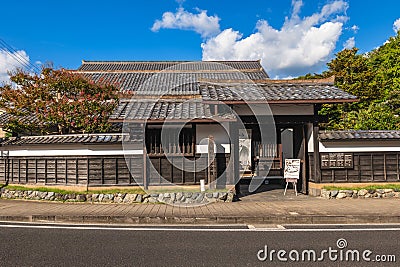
(292,169)
(291,173)
(336,160)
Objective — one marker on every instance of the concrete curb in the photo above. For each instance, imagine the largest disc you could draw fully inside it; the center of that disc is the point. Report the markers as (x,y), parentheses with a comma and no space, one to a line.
(273,219)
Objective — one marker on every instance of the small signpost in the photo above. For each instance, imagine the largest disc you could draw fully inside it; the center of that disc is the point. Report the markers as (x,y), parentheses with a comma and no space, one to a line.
(291,173)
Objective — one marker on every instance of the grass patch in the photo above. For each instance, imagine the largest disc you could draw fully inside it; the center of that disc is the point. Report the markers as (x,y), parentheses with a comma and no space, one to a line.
(64,192)
(115,191)
(184,190)
(395,187)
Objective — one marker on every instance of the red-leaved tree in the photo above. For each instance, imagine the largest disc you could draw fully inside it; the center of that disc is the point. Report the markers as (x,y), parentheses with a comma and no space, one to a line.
(56,101)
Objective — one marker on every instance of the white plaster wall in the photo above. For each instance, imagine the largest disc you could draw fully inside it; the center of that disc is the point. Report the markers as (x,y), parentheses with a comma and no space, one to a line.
(360,146)
(276,109)
(68,150)
(220,134)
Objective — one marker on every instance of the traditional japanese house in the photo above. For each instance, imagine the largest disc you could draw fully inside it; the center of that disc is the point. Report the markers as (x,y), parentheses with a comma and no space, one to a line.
(183,122)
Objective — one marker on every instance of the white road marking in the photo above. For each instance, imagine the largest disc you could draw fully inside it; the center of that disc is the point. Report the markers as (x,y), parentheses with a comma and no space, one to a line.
(194,229)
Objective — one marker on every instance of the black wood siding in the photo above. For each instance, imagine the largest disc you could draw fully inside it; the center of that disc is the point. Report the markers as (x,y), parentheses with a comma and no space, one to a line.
(171,173)
(92,170)
(368,167)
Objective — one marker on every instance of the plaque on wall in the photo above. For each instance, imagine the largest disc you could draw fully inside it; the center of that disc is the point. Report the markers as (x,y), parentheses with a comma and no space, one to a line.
(336,160)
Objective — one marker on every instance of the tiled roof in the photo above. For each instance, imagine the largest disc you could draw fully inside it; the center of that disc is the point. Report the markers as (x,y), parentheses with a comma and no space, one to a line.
(162,65)
(6,117)
(359,135)
(149,83)
(274,92)
(136,110)
(209,80)
(130,76)
(66,139)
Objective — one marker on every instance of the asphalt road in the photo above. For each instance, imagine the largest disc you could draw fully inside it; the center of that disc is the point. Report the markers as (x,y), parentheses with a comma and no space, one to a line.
(46,245)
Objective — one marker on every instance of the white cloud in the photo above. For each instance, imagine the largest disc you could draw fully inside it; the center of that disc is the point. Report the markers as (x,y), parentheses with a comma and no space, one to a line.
(350,43)
(396,25)
(301,45)
(201,23)
(9,62)
(354,28)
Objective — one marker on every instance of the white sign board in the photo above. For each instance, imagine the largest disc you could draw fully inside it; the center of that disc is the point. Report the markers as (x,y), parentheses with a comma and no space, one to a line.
(292,169)
(245,149)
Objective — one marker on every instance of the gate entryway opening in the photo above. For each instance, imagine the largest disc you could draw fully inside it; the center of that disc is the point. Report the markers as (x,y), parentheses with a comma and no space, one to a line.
(263,160)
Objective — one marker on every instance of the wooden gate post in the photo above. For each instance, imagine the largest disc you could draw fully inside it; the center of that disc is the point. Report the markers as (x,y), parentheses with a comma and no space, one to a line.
(233,167)
(211,163)
(317,165)
(145,158)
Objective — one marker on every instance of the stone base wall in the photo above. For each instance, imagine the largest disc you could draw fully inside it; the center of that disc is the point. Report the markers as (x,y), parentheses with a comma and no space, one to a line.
(363,193)
(126,198)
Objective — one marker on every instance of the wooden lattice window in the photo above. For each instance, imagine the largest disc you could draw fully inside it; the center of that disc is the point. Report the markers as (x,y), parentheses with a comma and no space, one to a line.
(183,145)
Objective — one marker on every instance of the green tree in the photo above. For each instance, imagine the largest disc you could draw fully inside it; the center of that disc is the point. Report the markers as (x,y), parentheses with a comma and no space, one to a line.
(60,101)
(386,61)
(374,78)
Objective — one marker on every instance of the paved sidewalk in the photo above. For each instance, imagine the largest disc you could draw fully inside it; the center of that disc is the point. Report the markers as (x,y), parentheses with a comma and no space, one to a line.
(285,210)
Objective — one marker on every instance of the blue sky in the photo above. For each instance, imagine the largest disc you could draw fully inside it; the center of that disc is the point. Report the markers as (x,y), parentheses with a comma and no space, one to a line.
(291,37)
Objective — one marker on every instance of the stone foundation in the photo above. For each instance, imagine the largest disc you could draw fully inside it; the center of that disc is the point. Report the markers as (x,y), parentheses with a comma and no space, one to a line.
(363,193)
(125,198)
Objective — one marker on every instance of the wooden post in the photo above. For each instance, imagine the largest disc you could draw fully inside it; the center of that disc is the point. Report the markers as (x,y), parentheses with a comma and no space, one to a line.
(26,170)
(66,171)
(116,170)
(45,171)
(359,167)
(211,163)
(145,165)
(55,170)
(384,166)
(305,163)
(5,169)
(233,171)
(102,170)
(397,164)
(87,172)
(76,171)
(35,170)
(372,167)
(317,163)
(8,169)
(19,171)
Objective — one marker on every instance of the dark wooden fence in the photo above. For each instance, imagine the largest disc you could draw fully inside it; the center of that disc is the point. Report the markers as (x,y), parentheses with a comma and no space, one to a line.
(194,169)
(105,170)
(96,170)
(367,167)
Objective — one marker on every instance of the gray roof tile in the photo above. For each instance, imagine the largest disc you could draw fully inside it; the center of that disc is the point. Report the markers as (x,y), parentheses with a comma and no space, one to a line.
(163,65)
(6,117)
(65,139)
(166,83)
(164,109)
(359,135)
(272,92)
